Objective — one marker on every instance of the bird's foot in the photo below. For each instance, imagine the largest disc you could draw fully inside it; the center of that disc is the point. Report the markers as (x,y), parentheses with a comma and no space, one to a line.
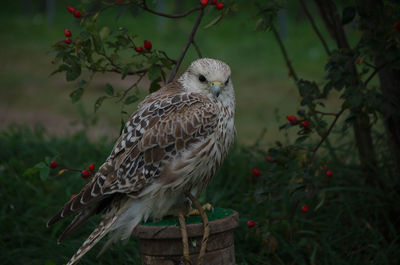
(206,206)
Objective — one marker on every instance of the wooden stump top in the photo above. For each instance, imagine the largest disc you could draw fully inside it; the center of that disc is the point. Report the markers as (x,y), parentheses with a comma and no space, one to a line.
(220,220)
(161,242)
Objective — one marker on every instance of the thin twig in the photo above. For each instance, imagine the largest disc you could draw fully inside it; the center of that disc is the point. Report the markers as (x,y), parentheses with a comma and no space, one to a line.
(197,49)
(325,113)
(88,14)
(285,55)
(132,86)
(144,6)
(189,41)
(118,71)
(206,233)
(377,69)
(314,26)
(173,61)
(325,136)
(185,240)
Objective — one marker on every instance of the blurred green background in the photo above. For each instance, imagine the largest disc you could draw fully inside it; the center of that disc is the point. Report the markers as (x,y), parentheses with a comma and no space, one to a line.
(265,93)
(348,222)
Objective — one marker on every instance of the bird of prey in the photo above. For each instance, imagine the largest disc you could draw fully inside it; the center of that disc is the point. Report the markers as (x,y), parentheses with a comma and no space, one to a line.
(172,144)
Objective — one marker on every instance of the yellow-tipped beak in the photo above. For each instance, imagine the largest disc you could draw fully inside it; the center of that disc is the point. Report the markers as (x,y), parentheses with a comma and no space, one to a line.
(216,88)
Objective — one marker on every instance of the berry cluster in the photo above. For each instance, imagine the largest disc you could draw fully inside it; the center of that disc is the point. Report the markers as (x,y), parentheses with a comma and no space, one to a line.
(68,35)
(84,173)
(74,12)
(396,25)
(147,46)
(294,121)
(218,6)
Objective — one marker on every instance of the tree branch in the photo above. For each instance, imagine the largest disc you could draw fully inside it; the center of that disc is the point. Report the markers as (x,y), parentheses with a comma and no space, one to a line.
(325,136)
(189,41)
(314,26)
(324,113)
(377,69)
(144,6)
(285,55)
(197,49)
(132,86)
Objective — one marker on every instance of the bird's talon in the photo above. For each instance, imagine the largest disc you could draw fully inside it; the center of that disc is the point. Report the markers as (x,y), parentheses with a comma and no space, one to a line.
(206,206)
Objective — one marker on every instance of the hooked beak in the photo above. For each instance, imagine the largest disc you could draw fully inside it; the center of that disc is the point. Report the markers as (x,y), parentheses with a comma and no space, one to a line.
(216,88)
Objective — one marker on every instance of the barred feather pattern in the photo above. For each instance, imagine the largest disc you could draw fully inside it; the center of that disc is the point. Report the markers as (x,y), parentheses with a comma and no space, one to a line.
(172,144)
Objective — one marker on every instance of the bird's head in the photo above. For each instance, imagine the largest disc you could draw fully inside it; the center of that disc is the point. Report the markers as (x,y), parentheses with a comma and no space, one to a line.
(207,76)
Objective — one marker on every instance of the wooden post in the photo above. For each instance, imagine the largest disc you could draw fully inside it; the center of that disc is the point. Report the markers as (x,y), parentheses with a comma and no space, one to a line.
(161,243)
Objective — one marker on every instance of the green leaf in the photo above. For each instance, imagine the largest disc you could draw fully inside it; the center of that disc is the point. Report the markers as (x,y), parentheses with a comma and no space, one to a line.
(40,165)
(44,173)
(104,33)
(301,139)
(131,99)
(60,69)
(154,87)
(109,90)
(82,83)
(74,72)
(349,14)
(98,103)
(30,171)
(77,94)
(154,72)
(260,25)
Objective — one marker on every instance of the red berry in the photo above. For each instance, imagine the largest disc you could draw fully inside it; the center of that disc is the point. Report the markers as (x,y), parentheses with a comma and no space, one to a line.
(214,2)
(291,118)
(71,9)
(204,2)
(268,158)
(305,124)
(77,14)
(251,223)
(68,40)
(139,49)
(304,208)
(256,172)
(72,196)
(67,33)
(147,45)
(329,173)
(397,25)
(220,6)
(53,164)
(85,174)
(91,167)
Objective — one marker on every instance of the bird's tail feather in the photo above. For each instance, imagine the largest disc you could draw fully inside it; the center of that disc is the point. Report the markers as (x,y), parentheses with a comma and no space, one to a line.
(121,233)
(101,230)
(80,219)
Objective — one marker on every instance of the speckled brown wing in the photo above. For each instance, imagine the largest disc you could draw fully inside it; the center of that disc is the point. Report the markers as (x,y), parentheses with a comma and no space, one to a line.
(159,133)
(166,123)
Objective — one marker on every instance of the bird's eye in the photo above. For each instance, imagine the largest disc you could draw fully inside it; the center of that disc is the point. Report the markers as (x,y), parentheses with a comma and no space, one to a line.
(227,81)
(202,78)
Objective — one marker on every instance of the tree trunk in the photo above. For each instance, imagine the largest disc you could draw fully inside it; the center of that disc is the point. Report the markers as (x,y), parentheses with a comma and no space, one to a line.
(361,125)
(390,86)
(389,80)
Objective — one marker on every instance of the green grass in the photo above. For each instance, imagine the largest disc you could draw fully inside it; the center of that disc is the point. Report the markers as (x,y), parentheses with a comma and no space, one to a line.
(355,223)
